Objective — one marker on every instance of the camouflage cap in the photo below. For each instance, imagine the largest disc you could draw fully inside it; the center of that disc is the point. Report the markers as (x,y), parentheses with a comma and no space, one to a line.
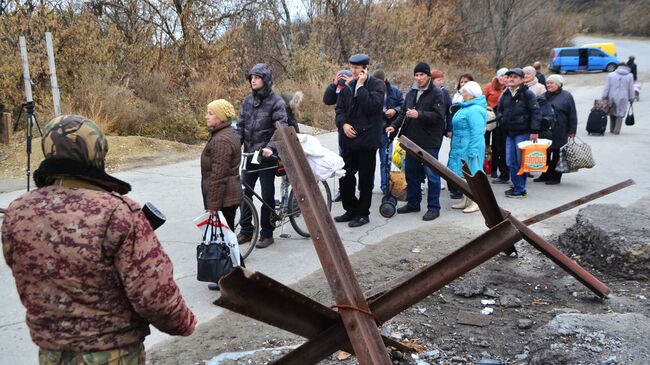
(75,146)
(76,138)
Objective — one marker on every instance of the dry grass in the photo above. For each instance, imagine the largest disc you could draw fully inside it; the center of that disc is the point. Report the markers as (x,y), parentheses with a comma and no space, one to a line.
(125,152)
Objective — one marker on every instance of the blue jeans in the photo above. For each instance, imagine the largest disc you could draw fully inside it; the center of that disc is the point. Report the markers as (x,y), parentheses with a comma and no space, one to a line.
(415,172)
(513,159)
(383,162)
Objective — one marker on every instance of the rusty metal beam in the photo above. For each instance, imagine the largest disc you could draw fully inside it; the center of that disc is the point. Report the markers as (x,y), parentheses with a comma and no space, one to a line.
(242,291)
(411,289)
(578,202)
(531,237)
(487,202)
(353,308)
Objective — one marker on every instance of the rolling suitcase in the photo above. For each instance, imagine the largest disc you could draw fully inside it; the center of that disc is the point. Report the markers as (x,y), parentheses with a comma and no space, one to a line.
(597,122)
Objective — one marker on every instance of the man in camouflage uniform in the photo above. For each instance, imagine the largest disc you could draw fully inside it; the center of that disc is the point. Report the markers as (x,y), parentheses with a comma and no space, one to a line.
(88,266)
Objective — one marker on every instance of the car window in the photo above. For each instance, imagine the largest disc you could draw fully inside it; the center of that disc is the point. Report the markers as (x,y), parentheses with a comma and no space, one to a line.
(569,53)
(596,53)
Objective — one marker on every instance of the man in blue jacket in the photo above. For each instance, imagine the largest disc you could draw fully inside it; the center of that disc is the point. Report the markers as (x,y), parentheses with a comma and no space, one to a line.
(521,120)
(422,120)
(393,101)
(359,120)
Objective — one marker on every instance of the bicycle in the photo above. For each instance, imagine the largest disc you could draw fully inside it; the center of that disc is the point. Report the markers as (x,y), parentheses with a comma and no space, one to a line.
(286,208)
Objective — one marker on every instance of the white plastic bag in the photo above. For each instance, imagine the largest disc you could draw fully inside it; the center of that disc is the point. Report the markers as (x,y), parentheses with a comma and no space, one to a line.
(229,237)
(323,162)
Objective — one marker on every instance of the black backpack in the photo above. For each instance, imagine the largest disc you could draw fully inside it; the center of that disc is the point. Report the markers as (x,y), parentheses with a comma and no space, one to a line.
(548,116)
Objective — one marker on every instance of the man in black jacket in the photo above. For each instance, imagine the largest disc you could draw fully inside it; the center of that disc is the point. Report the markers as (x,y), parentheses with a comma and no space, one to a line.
(331,95)
(422,120)
(255,127)
(359,121)
(521,120)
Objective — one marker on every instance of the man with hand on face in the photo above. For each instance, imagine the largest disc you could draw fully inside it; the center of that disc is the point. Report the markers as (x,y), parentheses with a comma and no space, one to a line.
(359,119)
(521,120)
(255,127)
(422,120)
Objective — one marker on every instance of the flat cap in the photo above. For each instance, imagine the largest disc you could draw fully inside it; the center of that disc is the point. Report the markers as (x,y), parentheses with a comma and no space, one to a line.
(517,71)
(359,59)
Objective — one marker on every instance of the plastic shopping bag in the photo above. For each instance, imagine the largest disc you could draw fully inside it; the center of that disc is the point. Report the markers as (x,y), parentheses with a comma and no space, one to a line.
(533,155)
(399,155)
(229,237)
(398,184)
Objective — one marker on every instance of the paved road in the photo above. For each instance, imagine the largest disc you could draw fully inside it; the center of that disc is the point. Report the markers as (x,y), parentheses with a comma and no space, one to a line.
(175,190)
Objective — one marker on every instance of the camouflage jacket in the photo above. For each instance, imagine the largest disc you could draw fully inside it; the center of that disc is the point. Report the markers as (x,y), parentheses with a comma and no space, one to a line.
(89,270)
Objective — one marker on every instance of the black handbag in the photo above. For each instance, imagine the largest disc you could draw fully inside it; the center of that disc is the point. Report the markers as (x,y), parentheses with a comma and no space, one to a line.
(213,260)
(629,120)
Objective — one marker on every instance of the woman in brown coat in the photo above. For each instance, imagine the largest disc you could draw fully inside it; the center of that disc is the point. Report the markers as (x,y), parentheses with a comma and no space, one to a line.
(220,160)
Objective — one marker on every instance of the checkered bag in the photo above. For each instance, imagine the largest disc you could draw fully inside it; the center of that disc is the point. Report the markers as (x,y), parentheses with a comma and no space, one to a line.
(562,165)
(578,154)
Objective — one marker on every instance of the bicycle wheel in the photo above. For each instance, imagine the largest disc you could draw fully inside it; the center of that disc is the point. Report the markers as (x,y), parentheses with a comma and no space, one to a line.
(245,212)
(295,216)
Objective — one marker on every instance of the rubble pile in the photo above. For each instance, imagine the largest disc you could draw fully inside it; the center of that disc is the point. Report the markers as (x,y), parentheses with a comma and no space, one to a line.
(612,238)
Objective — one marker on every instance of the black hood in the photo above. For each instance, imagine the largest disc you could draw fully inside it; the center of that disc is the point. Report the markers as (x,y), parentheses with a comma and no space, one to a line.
(264,71)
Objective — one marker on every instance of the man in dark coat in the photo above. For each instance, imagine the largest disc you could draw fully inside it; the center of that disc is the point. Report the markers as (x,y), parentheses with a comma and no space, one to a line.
(521,120)
(332,91)
(422,120)
(393,101)
(255,127)
(359,121)
(331,95)
(566,123)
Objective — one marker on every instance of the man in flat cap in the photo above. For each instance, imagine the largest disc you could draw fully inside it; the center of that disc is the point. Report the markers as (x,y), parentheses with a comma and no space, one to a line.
(359,119)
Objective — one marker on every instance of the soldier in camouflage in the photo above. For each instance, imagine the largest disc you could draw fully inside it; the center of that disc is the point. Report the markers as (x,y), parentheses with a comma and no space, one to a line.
(88,266)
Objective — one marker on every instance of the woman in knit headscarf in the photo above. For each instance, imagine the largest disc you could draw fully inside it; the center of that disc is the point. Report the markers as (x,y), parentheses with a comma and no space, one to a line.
(220,159)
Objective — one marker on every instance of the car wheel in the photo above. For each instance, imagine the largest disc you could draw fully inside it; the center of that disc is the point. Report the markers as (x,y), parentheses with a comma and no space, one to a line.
(611,67)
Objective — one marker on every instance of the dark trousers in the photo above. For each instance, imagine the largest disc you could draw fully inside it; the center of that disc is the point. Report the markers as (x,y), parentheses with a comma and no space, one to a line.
(552,158)
(362,162)
(229,213)
(267,181)
(499,153)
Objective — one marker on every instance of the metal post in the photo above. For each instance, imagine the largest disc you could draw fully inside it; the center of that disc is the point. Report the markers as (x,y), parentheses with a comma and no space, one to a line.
(29,102)
(56,97)
(353,308)
(5,128)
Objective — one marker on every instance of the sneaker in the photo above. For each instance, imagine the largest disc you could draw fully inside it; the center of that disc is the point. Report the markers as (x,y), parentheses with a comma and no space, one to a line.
(540,179)
(264,242)
(406,209)
(213,286)
(512,194)
(552,182)
(359,221)
(431,215)
(243,238)
(499,180)
(345,217)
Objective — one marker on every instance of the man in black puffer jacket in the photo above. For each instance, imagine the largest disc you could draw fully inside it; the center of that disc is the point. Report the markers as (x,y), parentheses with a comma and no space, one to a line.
(359,119)
(520,118)
(255,127)
(422,120)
